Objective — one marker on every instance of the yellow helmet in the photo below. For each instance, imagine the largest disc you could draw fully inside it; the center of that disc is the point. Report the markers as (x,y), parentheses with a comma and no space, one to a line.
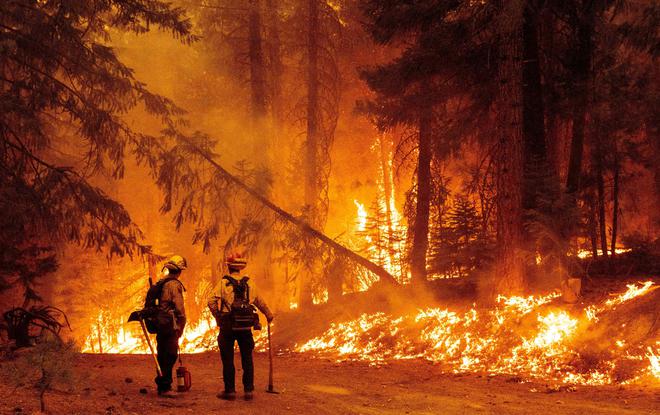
(176,263)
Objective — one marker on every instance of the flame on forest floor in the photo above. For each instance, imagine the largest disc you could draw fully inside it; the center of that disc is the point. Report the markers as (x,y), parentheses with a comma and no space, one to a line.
(586,253)
(200,336)
(525,336)
(521,335)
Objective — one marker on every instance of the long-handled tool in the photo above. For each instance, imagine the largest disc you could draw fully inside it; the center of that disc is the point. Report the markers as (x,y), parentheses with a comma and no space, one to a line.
(146,336)
(270,361)
(135,316)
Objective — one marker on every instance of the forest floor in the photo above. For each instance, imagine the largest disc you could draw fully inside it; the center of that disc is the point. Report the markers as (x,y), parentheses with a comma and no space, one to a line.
(111,384)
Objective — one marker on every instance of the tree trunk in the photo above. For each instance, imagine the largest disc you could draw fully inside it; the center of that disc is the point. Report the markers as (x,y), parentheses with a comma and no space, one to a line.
(275,63)
(593,228)
(312,139)
(600,187)
(509,271)
(653,138)
(42,399)
(388,191)
(554,137)
(98,333)
(581,90)
(312,188)
(533,128)
(420,228)
(257,71)
(615,202)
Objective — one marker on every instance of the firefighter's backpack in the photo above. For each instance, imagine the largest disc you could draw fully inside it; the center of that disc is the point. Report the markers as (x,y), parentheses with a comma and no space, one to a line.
(158,318)
(242,315)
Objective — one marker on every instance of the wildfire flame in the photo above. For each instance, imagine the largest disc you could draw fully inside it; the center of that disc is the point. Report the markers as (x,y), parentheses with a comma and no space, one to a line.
(199,336)
(521,335)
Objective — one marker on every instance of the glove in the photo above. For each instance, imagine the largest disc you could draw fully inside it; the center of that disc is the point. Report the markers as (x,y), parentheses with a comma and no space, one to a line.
(269,318)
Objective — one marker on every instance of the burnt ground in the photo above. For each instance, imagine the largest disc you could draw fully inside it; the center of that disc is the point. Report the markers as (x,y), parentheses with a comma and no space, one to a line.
(111,385)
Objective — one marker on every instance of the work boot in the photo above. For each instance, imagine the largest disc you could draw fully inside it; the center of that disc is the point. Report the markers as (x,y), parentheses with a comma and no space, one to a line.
(248,395)
(167,394)
(227,396)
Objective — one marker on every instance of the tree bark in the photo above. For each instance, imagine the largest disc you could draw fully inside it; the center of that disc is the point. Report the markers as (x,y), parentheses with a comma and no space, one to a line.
(600,188)
(98,333)
(653,138)
(275,62)
(615,202)
(257,70)
(387,183)
(312,139)
(533,126)
(509,272)
(593,231)
(420,228)
(584,31)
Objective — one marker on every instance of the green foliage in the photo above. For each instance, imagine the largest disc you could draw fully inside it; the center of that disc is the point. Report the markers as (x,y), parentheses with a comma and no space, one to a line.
(459,244)
(63,87)
(48,365)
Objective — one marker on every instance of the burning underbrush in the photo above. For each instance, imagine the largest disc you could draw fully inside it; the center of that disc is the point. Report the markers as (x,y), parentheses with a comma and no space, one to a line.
(615,341)
(200,336)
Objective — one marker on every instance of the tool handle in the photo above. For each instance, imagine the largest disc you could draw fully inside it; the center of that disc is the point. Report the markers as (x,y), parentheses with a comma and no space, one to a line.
(151,348)
(270,359)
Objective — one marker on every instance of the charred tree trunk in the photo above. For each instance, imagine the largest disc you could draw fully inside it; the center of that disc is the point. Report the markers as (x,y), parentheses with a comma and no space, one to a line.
(257,70)
(311,191)
(653,137)
(387,184)
(600,188)
(533,128)
(275,62)
(593,228)
(554,137)
(313,131)
(615,202)
(509,271)
(420,228)
(584,31)
(98,333)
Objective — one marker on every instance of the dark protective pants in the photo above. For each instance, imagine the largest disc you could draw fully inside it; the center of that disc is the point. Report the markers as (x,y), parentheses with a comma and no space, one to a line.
(167,349)
(245,342)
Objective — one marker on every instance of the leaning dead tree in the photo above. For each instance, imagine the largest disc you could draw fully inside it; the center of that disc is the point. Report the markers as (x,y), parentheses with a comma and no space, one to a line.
(300,223)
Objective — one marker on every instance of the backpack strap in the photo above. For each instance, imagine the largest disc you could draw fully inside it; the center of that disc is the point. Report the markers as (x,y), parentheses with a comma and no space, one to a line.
(244,283)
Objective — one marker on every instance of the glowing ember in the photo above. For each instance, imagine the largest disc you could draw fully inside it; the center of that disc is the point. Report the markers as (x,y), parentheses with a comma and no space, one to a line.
(521,335)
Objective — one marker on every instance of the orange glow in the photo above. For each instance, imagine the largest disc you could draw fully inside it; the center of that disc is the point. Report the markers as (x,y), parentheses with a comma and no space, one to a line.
(521,335)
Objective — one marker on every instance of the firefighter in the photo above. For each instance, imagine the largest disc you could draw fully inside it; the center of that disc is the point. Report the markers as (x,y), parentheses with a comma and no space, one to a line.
(236,317)
(167,336)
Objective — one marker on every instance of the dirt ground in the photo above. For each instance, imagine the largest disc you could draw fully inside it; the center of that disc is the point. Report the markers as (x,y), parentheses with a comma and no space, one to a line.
(112,383)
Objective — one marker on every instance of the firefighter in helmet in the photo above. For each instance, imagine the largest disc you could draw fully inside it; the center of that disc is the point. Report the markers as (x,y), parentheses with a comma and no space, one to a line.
(234,311)
(167,336)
